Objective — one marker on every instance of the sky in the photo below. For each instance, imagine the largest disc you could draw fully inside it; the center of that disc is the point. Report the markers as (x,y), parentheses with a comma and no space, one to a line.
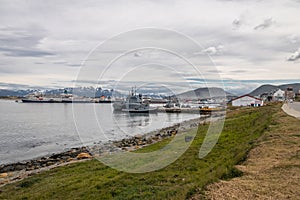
(156,44)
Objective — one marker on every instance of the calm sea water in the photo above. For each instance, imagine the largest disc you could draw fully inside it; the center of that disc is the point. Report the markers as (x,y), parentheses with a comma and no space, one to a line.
(29,130)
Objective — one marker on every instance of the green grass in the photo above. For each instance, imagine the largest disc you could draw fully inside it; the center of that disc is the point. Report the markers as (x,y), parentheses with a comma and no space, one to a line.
(180,180)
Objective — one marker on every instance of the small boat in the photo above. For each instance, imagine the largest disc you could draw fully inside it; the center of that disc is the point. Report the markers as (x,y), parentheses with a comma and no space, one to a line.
(104,99)
(207,110)
(173,106)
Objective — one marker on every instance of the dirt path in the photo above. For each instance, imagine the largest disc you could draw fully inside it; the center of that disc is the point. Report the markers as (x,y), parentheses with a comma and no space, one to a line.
(272,169)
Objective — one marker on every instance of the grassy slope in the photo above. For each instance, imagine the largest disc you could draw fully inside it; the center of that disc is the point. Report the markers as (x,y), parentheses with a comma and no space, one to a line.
(180,180)
(272,168)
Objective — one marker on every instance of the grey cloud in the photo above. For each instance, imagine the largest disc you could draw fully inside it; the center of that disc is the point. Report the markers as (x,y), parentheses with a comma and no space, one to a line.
(293,39)
(213,71)
(13,85)
(267,23)
(73,65)
(212,50)
(63,62)
(57,28)
(16,52)
(236,23)
(60,62)
(22,42)
(295,56)
(238,71)
(137,54)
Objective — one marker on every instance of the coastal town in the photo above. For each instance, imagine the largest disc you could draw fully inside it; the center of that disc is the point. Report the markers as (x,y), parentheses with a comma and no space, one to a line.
(149,100)
(91,95)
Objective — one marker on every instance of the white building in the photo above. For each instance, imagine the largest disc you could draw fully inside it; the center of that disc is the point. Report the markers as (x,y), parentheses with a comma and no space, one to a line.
(279,95)
(247,100)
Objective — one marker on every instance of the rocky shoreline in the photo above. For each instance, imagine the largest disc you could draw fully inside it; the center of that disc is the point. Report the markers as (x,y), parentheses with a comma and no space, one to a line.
(17,171)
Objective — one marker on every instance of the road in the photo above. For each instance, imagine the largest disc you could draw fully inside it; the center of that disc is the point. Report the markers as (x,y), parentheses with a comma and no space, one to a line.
(295,106)
(292,109)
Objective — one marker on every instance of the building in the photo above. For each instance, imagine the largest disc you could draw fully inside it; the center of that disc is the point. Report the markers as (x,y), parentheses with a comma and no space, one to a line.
(266,96)
(279,95)
(289,93)
(247,100)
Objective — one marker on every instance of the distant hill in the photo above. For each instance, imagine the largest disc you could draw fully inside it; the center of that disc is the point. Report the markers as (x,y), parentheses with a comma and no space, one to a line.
(295,86)
(271,88)
(15,93)
(204,93)
(264,89)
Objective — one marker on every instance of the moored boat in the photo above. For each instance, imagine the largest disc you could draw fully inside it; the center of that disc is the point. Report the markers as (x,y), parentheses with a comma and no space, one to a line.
(172,106)
(133,104)
(41,100)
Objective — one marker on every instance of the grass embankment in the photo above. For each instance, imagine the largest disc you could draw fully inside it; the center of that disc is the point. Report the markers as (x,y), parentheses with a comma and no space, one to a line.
(272,168)
(180,180)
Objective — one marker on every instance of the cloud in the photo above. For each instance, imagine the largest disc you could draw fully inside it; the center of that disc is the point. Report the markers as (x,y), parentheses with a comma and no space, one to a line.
(236,23)
(33,32)
(238,71)
(137,54)
(293,39)
(17,52)
(65,63)
(73,65)
(267,23)
(22,42)
(295,56)
(213,50)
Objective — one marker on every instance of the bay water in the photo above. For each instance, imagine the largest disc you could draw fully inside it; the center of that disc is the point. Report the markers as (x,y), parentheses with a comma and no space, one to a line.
(31,130)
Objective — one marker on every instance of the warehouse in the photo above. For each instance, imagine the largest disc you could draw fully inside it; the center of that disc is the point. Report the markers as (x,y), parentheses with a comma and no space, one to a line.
(247,100)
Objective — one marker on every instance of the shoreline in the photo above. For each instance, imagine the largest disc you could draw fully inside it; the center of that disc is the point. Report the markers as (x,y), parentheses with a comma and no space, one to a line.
(12,172)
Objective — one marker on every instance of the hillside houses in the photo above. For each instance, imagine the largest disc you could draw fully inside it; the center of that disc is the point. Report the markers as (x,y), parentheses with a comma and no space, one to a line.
(279,95)
(289,93)
(275,95)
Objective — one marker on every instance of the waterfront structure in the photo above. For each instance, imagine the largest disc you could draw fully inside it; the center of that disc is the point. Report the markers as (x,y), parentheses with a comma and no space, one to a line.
(247,100)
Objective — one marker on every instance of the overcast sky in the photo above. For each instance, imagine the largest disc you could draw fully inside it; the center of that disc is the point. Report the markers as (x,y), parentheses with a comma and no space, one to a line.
(245,43)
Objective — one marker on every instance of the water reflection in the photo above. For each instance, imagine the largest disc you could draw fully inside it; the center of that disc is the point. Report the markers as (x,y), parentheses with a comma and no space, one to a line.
(138,119)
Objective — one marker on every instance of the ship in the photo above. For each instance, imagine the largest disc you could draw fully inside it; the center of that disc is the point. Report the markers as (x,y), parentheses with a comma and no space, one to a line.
(133,104)
(40,99)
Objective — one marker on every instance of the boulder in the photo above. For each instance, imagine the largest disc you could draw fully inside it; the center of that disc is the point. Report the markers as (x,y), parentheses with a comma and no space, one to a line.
(3,175)
(84,156)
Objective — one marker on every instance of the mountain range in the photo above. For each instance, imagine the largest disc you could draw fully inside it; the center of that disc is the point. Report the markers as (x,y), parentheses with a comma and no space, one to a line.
(81,91)
(204,93)
(197,93)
